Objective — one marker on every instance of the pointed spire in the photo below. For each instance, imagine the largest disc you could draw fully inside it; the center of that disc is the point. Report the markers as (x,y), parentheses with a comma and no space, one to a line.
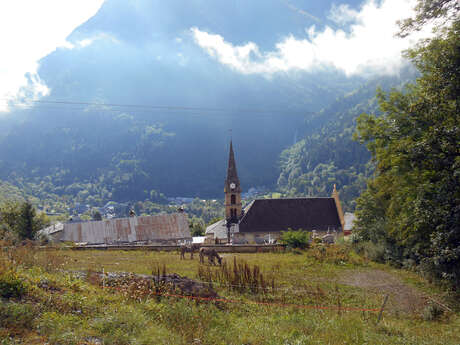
(232,175)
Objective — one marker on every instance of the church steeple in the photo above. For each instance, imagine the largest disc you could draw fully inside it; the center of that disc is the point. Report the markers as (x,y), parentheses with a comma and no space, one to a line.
(232,175)
(232,189)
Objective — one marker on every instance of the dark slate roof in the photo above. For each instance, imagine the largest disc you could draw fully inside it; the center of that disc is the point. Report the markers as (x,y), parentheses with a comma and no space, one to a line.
(272,215)
(232,175)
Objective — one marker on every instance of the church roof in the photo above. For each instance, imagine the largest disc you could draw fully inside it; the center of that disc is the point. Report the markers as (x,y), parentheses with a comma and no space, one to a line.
(219,229)
(273,215)
(232,175)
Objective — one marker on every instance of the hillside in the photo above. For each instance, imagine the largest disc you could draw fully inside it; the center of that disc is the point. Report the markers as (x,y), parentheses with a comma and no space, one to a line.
(137,110)
(326,153)
(98,154)
(171,133)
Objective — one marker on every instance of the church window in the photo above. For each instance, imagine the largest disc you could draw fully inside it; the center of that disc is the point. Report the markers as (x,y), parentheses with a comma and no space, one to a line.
(233,199)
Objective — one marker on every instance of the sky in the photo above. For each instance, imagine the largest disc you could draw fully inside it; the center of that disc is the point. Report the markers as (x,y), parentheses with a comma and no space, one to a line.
(29,31)
(360,41)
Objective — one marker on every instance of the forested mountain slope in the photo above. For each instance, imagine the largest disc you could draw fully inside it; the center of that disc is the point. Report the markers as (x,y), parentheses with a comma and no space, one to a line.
(142,54)
(327,154)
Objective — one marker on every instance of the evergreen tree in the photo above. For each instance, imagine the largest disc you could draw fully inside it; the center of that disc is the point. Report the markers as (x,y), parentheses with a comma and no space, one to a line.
(27,223)
(97,215)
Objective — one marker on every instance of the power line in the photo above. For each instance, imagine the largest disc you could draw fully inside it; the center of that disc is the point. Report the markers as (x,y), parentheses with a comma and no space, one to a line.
(28,105)
(155,112)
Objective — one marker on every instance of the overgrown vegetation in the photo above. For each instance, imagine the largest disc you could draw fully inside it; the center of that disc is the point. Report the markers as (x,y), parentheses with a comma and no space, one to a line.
(295,238)
(410,208)
(11,286)
(19,221)
(238,276)
(66,303)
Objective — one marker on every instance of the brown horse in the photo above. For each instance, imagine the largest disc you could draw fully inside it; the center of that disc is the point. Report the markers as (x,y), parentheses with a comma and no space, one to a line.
(211,253)
(188,248)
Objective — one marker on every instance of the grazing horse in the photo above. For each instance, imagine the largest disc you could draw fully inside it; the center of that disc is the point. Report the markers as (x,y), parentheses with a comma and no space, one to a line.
(211,254)
(190,248)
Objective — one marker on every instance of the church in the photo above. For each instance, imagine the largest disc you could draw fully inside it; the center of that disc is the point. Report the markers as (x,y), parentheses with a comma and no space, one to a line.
(263,220)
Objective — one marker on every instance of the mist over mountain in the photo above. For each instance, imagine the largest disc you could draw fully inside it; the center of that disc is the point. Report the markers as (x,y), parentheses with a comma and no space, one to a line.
(143,53)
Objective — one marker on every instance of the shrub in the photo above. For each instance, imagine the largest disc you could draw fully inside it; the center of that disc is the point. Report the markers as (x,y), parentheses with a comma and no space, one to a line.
(7,236)
(17,315)
(338,254)
(11,286)
(295,239)
(122,326)
(62,329)
(432,312)
(373,251)
(355,238)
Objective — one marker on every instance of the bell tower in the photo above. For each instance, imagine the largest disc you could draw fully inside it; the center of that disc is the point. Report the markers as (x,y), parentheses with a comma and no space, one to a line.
(232,190)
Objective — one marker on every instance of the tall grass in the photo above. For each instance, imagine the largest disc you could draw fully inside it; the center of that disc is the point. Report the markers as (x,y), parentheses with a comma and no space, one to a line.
(239,276)
(62,308)
(30,255)
(337,255)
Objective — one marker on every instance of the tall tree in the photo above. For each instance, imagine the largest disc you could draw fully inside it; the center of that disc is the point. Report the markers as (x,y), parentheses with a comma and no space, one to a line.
(428,11)
(27,222)
(21,218)
(412,204)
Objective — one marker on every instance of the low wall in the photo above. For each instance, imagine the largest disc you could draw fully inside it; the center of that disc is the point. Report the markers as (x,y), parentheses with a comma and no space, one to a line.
(246,248)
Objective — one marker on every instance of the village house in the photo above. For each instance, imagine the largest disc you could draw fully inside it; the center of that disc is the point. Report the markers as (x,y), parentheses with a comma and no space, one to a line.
(263,220)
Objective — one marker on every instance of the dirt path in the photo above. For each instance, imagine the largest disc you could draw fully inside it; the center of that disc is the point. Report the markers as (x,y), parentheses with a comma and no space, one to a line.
(402,298)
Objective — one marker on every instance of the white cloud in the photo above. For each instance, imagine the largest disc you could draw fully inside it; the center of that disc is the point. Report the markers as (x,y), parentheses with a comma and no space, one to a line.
(30,30)
(368,46)
(342,14)
(90,40)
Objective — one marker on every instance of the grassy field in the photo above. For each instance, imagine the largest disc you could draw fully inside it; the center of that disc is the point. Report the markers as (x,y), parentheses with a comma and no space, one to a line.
(56,304)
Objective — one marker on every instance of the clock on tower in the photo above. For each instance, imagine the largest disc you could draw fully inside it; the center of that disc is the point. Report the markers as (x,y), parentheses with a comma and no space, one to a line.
(232,190)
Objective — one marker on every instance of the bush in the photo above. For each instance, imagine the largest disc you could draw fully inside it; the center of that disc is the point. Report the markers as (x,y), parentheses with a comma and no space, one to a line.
(7,236)
(373,251)
(121,327)
(17,315)
(295,239)
(62,329)
(11,286)
(432,312)
(355,238)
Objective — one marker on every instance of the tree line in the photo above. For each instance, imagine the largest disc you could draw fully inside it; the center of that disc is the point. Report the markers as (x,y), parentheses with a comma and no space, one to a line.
(411,206)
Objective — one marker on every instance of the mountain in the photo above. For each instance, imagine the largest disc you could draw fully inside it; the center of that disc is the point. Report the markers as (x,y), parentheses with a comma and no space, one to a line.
(327,154)
(137,110)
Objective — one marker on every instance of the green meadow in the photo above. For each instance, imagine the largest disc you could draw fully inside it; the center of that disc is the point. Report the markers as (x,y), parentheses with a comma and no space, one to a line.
(317,296)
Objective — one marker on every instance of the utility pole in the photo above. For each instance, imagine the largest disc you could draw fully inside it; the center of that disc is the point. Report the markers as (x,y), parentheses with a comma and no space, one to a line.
(229,223)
